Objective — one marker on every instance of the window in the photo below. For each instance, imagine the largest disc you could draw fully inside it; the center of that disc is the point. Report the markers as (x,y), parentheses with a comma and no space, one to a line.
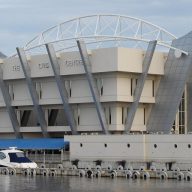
(11,91)
(175,145)
(70,91)
(81,145)
(180,120)
(131,87)
(153,88)
(173,126)
(128,145)
(78,116)
(105,145)
(40,90)
(109,115)
(2,155)
(18,158)
(182,115)
(101,87)
(136,81)
(68,87)
(20,154)
(144,116)
(122,115)
(155,145)
(189,146)
(38,86)
(99,83)
(102,90)
(78,120)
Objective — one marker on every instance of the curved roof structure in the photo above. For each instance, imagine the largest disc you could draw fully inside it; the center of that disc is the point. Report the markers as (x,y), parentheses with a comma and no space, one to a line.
(101,31)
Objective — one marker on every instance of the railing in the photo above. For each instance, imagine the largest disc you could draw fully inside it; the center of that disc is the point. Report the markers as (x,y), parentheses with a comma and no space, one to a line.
(49,158)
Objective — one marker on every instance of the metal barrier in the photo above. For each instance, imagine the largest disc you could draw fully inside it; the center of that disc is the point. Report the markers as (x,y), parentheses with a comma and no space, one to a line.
(49,158)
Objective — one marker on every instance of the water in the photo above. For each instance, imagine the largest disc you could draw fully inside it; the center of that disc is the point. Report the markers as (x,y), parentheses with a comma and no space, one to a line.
(76,184)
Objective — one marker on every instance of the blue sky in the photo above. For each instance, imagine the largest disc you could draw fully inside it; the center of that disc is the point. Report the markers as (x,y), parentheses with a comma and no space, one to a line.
(21,20)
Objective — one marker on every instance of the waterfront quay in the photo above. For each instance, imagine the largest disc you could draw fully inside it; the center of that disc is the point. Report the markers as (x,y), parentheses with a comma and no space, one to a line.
(98,172)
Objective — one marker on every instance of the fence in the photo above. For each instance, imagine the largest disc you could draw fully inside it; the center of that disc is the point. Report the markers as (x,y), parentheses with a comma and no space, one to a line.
(49,158)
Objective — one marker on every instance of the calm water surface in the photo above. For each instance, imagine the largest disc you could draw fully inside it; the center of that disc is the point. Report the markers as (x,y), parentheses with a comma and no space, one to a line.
(76,184)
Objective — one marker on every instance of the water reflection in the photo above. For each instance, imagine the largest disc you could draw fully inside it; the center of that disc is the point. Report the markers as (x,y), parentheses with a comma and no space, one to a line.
(5,184)
(76,184)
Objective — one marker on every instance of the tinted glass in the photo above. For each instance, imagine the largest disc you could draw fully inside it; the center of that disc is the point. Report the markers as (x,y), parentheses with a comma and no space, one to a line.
(18,158)
(2,155)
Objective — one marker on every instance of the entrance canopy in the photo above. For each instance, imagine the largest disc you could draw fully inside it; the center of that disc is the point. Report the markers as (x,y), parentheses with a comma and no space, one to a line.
(33,143)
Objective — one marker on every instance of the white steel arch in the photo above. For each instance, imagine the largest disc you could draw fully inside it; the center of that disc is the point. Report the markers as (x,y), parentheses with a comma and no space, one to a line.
(100,30)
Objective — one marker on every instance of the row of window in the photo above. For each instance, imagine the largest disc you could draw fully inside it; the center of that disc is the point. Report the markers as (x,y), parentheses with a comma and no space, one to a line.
(129,145)
(68,87)
(56,117)
(179,124)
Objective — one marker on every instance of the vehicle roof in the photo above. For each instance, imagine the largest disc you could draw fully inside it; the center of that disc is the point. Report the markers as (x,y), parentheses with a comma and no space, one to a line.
(11,151)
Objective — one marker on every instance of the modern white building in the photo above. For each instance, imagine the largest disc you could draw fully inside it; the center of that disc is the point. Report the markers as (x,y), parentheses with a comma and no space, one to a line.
(49,89)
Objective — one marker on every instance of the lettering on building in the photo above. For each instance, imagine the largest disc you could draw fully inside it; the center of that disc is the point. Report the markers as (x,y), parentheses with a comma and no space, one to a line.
(43,65)
(73,63)
(15,68)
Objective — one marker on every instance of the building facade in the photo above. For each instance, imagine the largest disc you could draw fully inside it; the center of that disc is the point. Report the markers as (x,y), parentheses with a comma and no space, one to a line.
(33,103)
(115,72)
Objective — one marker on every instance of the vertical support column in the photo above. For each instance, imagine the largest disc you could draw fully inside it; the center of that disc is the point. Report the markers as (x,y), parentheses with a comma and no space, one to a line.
(140,84)
(92,85)
(10,109)
(61,87)
(32,91)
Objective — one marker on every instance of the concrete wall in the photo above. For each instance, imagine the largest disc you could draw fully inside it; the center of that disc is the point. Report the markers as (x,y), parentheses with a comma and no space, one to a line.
(139,148)
(102,60)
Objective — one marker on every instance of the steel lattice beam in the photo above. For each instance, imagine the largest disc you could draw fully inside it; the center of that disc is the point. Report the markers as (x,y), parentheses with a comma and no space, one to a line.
(92,85)
(101,30)
(140,85)
(34,96)
(61,87)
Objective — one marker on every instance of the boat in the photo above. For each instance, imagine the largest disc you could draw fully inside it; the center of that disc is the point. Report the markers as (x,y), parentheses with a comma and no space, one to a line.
(14,158)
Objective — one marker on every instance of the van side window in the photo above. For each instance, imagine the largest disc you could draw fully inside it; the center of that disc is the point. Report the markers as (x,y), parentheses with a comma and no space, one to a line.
(2,155)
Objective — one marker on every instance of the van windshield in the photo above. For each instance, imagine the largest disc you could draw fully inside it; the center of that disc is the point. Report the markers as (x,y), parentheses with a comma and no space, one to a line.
(18,158)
